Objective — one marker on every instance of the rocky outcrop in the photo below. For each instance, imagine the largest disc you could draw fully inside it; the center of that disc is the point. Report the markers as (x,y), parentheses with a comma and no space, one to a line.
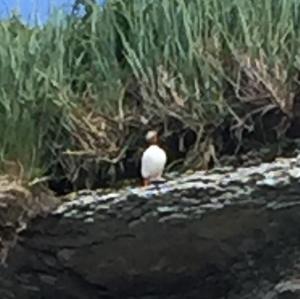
(226,233)
(18,205)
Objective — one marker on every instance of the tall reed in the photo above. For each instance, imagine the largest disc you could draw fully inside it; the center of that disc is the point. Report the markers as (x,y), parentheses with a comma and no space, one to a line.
(198,63)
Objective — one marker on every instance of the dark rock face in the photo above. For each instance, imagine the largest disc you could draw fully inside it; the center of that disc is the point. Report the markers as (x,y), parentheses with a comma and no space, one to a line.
(223,234)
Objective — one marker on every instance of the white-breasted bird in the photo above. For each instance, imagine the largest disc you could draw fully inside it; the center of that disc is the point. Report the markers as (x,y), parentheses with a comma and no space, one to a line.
(154,160)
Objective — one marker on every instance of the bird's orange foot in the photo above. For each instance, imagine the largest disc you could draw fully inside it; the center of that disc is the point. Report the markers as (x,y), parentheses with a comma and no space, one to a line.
(146,183)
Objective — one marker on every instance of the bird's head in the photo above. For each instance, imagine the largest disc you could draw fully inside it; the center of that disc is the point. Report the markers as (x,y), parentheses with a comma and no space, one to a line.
(152,137)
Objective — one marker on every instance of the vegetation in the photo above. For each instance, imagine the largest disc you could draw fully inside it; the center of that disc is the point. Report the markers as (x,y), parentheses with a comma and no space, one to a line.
(77,95)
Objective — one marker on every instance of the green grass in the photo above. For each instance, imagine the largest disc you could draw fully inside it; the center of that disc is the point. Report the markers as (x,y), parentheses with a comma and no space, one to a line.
(199,63)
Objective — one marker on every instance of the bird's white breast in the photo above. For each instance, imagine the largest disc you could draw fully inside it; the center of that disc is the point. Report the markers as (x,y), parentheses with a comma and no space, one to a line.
(153,162)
